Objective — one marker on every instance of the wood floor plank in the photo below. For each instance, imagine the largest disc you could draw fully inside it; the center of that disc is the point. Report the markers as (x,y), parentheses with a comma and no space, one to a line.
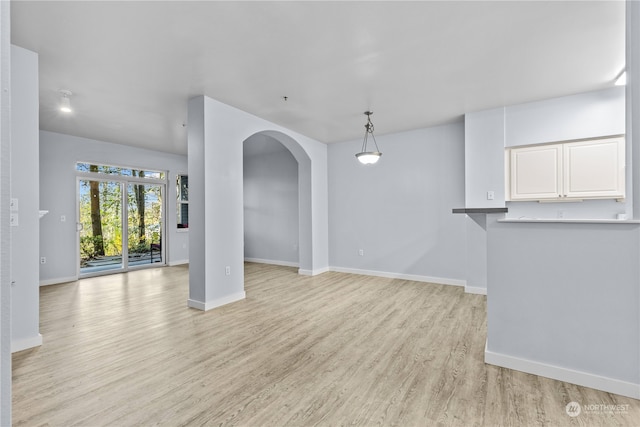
(334,349)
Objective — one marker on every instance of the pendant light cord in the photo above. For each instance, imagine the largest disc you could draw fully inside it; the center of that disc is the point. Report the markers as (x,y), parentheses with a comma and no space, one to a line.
(369,130)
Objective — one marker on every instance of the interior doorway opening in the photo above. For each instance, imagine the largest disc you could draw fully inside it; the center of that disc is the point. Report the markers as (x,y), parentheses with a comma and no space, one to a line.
(305,196)
(271,202)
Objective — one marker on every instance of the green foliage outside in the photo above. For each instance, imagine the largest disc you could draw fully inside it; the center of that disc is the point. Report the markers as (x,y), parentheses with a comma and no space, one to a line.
(144,208)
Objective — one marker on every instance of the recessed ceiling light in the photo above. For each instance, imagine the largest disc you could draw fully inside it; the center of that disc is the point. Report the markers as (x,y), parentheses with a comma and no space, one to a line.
(65,103)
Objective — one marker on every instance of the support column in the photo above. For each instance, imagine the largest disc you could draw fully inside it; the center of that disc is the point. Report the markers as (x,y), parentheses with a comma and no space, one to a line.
(216,236)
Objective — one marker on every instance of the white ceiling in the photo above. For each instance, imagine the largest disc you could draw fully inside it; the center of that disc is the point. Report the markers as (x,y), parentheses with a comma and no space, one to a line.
(133,65)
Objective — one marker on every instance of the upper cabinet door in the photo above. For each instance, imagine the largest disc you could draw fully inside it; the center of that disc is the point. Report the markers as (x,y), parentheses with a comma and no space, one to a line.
(536,172)
(595,168)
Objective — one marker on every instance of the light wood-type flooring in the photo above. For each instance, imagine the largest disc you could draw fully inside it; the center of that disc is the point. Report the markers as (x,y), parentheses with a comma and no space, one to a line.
(335,349)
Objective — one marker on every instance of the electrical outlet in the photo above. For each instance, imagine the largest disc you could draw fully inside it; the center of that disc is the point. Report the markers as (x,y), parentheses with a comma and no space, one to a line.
(227,270)
(43,260)
(361,252)
(63,218)
(491,195)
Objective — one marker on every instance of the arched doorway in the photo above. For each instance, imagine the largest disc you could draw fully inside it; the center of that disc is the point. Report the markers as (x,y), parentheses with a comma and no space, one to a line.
(279,243)
(216,242)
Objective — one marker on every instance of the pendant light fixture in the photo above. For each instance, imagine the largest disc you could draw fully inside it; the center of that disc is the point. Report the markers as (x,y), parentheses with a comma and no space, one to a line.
(65,103)
(368,157)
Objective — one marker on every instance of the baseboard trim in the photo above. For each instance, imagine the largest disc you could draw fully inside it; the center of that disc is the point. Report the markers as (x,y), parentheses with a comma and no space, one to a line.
(413,277)
(218,302)
(272,262)
(26,343)
(475,290)
(584,379)
(303,272)
(179,262)
(58,280)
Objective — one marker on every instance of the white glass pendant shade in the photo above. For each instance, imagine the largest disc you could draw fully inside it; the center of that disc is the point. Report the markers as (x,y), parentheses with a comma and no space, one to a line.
(369,157)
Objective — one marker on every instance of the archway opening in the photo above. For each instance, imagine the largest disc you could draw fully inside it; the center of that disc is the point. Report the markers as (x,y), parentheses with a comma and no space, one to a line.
(277,204)
(271,207)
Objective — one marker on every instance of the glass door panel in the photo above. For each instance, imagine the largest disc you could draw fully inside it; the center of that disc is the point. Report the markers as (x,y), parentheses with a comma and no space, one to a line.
(144,224)
(100,227)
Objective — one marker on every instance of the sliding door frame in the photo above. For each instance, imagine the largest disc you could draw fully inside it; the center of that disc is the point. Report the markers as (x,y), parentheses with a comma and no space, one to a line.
(124,182)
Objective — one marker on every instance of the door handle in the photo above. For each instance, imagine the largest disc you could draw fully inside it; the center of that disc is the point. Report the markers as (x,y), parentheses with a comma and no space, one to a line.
(79,226)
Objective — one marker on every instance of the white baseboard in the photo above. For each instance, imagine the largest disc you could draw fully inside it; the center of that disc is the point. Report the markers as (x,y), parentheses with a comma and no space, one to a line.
(585,379)
(218,302)
(416,278)
(25,343)
(273,262)
(313,272)
(475,290)
(178,262)
(413,277)
(58,280)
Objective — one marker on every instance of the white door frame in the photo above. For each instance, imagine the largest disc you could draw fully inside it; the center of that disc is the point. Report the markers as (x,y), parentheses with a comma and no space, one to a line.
(124,182)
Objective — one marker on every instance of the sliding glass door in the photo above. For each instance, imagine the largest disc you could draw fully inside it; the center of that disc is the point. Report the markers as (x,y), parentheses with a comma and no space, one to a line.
(120,218)
(144,223)
(100,226)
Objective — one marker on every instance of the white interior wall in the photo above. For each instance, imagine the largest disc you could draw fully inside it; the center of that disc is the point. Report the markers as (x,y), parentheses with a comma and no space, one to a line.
(484,158)
(484,172)
(59,154)
(25,295)
(5,235)
(398,211)
(270,202)
(563,302)
(585,115)
(476,225)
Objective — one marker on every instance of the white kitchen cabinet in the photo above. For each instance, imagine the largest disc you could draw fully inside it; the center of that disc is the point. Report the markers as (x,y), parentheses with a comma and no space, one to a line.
(594,169)
(589,169)
(536,172)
